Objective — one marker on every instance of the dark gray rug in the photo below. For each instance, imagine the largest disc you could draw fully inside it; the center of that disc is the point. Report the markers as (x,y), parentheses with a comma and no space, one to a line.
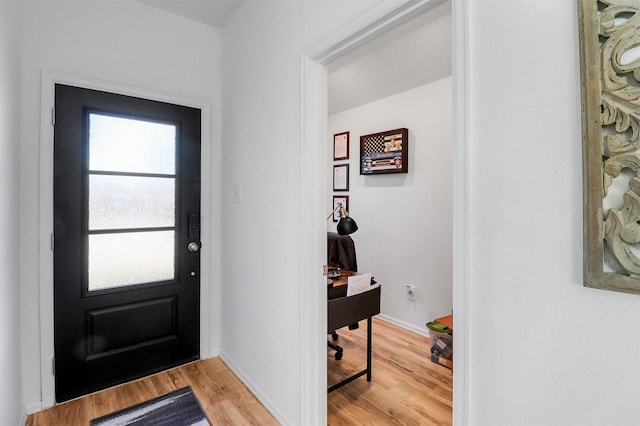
(178,408)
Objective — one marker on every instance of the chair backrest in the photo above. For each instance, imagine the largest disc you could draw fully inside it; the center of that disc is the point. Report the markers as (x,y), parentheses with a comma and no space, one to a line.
(341,251)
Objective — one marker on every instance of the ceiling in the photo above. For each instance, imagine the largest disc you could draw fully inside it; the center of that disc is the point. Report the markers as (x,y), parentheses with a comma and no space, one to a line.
(413,54)
(211,12)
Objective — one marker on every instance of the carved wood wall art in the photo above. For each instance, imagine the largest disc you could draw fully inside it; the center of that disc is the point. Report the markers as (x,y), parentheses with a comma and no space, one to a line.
(610,74)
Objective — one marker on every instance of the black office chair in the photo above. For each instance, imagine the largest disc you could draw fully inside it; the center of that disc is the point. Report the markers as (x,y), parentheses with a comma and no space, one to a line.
(341,252)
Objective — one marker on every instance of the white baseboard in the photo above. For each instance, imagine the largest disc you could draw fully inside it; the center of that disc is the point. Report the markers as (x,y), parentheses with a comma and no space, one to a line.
(419,330)
(213,353)
(33,408)
(264,400)
(29,409)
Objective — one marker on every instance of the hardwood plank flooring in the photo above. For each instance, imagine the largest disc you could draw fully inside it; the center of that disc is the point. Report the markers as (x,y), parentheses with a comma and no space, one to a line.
(406,387)
(224,398)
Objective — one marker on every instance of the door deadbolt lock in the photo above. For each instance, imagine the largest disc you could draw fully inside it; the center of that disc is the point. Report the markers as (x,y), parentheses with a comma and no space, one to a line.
(193,246)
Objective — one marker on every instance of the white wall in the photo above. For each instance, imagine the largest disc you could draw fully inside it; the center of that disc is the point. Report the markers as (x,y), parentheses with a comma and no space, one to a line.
(124,42)
(544,350)
(537,351)
(10,389)
(262,235)
(404,220)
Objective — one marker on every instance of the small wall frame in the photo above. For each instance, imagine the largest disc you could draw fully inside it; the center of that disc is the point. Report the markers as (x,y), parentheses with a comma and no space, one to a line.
(611,143)
(341,177)
(385,152)
(344,199)
(341,146)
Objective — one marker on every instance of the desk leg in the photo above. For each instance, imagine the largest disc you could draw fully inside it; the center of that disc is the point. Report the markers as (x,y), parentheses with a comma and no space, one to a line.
(369,334)
(363,372)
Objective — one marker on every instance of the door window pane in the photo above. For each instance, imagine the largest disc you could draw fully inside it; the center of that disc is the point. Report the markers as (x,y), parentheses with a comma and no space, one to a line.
(131,202)
(122,259)
(120,144)
(119,202)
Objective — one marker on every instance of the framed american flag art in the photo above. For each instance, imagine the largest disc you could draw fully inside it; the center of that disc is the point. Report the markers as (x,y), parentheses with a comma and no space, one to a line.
(385,152)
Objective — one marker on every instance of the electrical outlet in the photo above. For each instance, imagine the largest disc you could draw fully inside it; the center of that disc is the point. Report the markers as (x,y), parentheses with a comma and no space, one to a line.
(411,292)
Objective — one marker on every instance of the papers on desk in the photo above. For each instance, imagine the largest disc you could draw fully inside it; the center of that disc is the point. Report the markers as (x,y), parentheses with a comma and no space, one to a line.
(357,284)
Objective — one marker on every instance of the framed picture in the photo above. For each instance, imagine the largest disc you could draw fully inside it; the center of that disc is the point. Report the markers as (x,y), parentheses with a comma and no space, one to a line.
(344,199)
(341,177)
(385,152)
(341,146)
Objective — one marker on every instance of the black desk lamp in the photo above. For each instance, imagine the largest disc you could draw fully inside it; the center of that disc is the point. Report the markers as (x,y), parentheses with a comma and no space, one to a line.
(346,225)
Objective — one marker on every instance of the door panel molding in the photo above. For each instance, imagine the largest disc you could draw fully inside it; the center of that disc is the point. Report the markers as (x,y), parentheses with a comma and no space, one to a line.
(162,322)
(210,184)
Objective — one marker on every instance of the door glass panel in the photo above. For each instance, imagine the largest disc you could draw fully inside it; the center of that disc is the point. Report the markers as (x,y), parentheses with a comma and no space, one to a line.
(119,144)
(131,202)
(122,259)
(132,196)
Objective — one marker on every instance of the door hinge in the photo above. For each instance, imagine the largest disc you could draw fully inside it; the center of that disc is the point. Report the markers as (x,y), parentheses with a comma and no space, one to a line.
(53,116)
(52,241)
(53,366)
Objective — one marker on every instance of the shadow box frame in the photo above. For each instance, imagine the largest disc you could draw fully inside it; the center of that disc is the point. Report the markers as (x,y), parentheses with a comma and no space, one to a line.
(381,153)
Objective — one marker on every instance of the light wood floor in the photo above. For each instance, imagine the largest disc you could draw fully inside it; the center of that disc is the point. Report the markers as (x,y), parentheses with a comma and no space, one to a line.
(407,389)
(221,394)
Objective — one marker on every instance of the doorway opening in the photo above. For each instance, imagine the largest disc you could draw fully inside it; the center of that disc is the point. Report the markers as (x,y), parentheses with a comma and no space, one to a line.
(209,216)
(315,131)
(400,79)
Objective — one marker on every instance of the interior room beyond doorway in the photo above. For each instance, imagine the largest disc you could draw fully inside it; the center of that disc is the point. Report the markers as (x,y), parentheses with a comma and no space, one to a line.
(402,79)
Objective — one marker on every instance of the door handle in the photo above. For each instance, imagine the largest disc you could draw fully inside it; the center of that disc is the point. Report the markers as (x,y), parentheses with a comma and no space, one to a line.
(193,246)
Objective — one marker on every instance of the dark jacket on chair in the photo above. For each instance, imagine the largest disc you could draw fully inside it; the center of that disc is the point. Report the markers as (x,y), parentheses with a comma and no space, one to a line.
(341,252)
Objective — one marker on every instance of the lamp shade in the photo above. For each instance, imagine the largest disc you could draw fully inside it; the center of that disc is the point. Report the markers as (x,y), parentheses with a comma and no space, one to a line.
(346,226)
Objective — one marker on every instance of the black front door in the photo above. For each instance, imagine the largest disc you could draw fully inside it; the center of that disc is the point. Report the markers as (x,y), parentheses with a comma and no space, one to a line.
(126,238)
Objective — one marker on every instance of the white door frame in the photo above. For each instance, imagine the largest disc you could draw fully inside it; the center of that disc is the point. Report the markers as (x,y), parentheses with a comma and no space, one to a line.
(383,17)
(209,213)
